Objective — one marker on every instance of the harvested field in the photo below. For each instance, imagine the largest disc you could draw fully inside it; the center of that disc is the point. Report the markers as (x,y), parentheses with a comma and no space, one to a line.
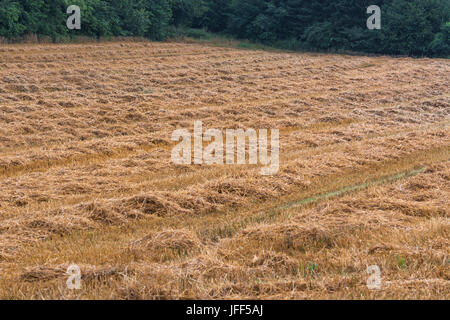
(86,175)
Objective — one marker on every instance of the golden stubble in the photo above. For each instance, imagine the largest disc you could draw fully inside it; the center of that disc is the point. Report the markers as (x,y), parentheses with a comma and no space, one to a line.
(86,176)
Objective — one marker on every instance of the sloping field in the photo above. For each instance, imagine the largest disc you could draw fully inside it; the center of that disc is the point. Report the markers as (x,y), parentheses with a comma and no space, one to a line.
(86,175)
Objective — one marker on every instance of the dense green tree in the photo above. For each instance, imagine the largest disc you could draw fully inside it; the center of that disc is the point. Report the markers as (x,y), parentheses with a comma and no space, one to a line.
(10,25)
(412,27)
(98,18)
(44,17)
(409,26)
(184,12)
(215,15)
(441,42)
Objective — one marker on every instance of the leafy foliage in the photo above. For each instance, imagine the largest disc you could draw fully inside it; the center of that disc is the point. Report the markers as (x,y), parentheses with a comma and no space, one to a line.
(409,27)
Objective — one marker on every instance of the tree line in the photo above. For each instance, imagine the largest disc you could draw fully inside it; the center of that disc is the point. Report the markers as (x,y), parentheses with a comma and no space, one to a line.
(408,27)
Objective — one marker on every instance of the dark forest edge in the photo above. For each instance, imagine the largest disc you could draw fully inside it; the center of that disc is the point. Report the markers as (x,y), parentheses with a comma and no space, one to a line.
(409,27)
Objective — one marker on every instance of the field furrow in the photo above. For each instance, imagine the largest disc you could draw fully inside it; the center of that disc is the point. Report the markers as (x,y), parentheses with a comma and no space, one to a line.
(87,177)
